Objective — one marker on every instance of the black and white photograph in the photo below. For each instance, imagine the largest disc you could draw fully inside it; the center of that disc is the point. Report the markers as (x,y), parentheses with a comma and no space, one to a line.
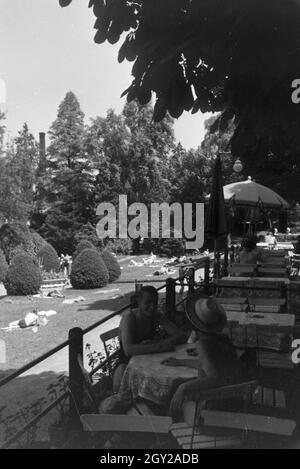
(149,227)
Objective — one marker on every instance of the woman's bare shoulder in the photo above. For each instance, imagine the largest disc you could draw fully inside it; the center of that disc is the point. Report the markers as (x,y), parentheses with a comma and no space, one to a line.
(127,317)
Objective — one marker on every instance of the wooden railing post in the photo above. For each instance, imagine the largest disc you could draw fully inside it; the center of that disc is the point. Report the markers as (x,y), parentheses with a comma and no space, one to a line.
(225,263)
(170,298)
(206,276)
(75,374)
(191,281)
(232,254)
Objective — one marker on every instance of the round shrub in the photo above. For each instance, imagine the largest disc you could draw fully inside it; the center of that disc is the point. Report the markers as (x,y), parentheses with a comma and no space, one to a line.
(172,247)
(3,266)
(119,245)
(112,265)
(23,276)
(38,241)
(89,271)
(82,245)
(49,258)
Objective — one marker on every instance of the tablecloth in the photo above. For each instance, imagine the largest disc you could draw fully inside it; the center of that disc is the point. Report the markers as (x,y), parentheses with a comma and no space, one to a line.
(149,379)
(145,377)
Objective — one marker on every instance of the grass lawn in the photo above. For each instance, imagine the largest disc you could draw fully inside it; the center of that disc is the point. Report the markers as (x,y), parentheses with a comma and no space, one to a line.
(22,345)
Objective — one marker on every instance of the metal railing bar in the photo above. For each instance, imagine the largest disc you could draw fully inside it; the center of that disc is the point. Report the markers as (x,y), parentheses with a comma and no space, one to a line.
(107,318)
(33,363)
(59,347)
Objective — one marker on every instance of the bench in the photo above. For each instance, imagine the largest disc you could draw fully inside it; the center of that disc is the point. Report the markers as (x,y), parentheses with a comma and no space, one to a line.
(53,284)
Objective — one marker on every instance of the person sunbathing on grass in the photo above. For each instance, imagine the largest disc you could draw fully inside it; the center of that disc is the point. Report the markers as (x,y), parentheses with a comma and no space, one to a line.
(144,331)
(217,362)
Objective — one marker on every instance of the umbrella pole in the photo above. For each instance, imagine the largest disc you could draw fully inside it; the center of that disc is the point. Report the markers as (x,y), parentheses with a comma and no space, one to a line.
(216,256)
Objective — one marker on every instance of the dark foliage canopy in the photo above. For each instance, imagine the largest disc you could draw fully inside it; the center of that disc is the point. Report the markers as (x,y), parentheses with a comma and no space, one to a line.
(237,57)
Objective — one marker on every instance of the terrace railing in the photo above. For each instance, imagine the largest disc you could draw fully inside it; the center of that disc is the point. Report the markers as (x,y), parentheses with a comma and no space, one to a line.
(75,346)
(74,343)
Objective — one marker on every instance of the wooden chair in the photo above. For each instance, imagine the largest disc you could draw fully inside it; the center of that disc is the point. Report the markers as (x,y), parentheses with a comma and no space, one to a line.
(220,429)
(268,272)
(274,253)
(107,337)
(272,305)
(245,270)
(265,289)
(132,424)
(233,304)
(231,287)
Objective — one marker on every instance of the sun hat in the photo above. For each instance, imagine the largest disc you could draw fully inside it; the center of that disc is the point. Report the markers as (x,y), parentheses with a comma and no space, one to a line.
(206,314)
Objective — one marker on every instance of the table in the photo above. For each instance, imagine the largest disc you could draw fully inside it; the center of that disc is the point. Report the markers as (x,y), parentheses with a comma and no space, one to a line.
(147,378)
(257,279)
(270,331)
(278,320)
(263,245)
(285,246)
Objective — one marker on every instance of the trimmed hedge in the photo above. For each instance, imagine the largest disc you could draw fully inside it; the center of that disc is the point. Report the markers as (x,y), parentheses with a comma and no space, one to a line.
(84,244)
(172,247)
(49,258)
(3,266)
(23,276)
(38,241)
(112,265)
(89,271)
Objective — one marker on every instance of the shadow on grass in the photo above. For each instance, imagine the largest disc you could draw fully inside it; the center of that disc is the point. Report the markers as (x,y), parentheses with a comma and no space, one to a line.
(112,304)
(23,399)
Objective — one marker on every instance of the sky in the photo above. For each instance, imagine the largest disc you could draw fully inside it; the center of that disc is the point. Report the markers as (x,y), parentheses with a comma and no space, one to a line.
(46,50)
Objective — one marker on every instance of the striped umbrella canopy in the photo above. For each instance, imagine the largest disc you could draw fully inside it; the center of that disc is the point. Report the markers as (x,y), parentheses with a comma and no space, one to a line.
(250,193)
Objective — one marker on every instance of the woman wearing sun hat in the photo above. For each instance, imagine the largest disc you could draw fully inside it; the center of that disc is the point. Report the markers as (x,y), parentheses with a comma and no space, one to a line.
(217,359)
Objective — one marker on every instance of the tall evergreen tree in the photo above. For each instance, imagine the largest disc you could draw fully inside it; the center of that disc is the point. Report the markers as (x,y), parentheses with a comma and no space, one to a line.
(148,160)
(66,134)
(18,177)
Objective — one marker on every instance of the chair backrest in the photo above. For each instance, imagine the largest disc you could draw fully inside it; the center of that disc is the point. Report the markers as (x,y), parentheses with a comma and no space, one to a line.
(269,272)
(246,270)
(242,389)
(273,254)
(233,300)
(266,301)
(108,336)
(267,305)
(274,265)
(250,422)
(126,423)
(274,260)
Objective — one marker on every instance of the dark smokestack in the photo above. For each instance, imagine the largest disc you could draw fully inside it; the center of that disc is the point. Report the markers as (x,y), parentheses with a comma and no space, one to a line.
(42,156)
(42,141)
